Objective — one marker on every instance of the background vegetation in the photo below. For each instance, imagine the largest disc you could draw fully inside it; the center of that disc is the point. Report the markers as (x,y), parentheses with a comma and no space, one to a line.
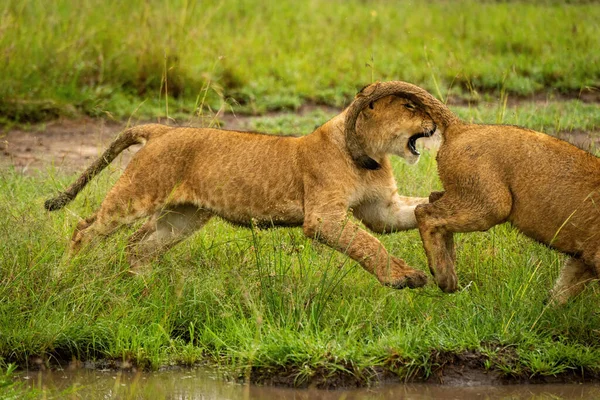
(107,57)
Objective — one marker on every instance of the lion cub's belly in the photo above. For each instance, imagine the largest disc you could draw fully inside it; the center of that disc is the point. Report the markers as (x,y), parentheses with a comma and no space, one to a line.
(284,213)
(246,204)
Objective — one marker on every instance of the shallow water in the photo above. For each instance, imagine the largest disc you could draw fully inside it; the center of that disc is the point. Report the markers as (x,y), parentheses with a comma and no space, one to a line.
(204,385)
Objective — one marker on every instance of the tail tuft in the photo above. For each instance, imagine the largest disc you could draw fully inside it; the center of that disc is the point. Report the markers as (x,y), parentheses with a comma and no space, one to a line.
(58,202)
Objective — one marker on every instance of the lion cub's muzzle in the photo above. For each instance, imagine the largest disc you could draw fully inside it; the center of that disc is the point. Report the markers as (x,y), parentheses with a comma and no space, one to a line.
(428,130)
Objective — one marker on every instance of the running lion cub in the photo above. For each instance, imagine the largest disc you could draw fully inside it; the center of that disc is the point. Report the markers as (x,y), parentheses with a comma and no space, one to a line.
(182,177)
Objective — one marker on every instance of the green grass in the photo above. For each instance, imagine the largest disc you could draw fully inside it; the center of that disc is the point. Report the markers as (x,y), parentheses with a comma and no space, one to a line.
(264,303)
(120,58)
(10,388)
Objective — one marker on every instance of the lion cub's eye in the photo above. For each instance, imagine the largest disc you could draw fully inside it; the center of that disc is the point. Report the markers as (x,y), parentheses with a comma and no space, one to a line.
(409,106)
(371,105)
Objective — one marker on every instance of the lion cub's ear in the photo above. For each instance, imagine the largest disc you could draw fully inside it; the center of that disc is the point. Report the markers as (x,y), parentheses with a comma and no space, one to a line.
(368,111)
(384,100)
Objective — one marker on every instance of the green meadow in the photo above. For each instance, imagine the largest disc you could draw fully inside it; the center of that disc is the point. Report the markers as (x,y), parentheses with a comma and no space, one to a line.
(117,59)
(271,305)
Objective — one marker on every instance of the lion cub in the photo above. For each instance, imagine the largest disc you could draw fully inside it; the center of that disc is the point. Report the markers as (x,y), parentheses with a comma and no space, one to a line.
(182,177)
(545,187)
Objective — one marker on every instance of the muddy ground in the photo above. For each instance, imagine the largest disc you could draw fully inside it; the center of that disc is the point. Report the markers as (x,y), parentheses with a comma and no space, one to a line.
(70,145)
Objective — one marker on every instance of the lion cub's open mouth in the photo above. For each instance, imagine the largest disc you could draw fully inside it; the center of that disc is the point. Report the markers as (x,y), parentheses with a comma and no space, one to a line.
(412,141)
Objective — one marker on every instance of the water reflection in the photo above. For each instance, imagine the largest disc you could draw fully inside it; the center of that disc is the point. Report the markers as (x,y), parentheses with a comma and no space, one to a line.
(199,384)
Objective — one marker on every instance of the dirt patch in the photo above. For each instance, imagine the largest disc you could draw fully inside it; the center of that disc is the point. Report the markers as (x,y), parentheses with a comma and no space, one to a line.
(71,145)
(64,144)
(68,145)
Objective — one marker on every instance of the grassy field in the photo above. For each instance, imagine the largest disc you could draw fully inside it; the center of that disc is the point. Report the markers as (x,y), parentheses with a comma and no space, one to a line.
(112,58)
(271,305)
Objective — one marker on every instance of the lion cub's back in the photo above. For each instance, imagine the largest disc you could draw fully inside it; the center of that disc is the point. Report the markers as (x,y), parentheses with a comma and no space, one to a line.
(238,175)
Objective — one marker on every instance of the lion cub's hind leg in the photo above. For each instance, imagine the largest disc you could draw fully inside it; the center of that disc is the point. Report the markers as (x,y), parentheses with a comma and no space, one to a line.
(82,225)
(115,211)
(97,225)
(162,231)
(573,278)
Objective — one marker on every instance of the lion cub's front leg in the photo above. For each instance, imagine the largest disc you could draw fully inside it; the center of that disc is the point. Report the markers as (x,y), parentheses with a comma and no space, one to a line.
(331,227)
(393,214)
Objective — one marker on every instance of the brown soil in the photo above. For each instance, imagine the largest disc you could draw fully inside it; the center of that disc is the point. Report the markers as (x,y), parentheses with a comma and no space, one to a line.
(71,145)
(62,143)
(586,95)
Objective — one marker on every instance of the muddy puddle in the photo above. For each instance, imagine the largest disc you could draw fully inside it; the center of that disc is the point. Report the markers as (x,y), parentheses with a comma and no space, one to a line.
(205,385)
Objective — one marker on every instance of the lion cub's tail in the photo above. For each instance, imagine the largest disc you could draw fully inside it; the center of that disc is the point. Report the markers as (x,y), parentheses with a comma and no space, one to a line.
(136,135)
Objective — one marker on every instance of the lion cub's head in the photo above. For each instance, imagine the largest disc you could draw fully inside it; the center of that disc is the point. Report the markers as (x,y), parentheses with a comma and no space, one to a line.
(392,125)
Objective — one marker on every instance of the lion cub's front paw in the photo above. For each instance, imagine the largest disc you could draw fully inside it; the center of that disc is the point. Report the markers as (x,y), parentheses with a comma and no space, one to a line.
(411,280)
(447,282)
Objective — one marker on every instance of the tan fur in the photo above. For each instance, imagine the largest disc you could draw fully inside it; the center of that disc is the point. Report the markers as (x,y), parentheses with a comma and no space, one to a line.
(545,187)
(184,176)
